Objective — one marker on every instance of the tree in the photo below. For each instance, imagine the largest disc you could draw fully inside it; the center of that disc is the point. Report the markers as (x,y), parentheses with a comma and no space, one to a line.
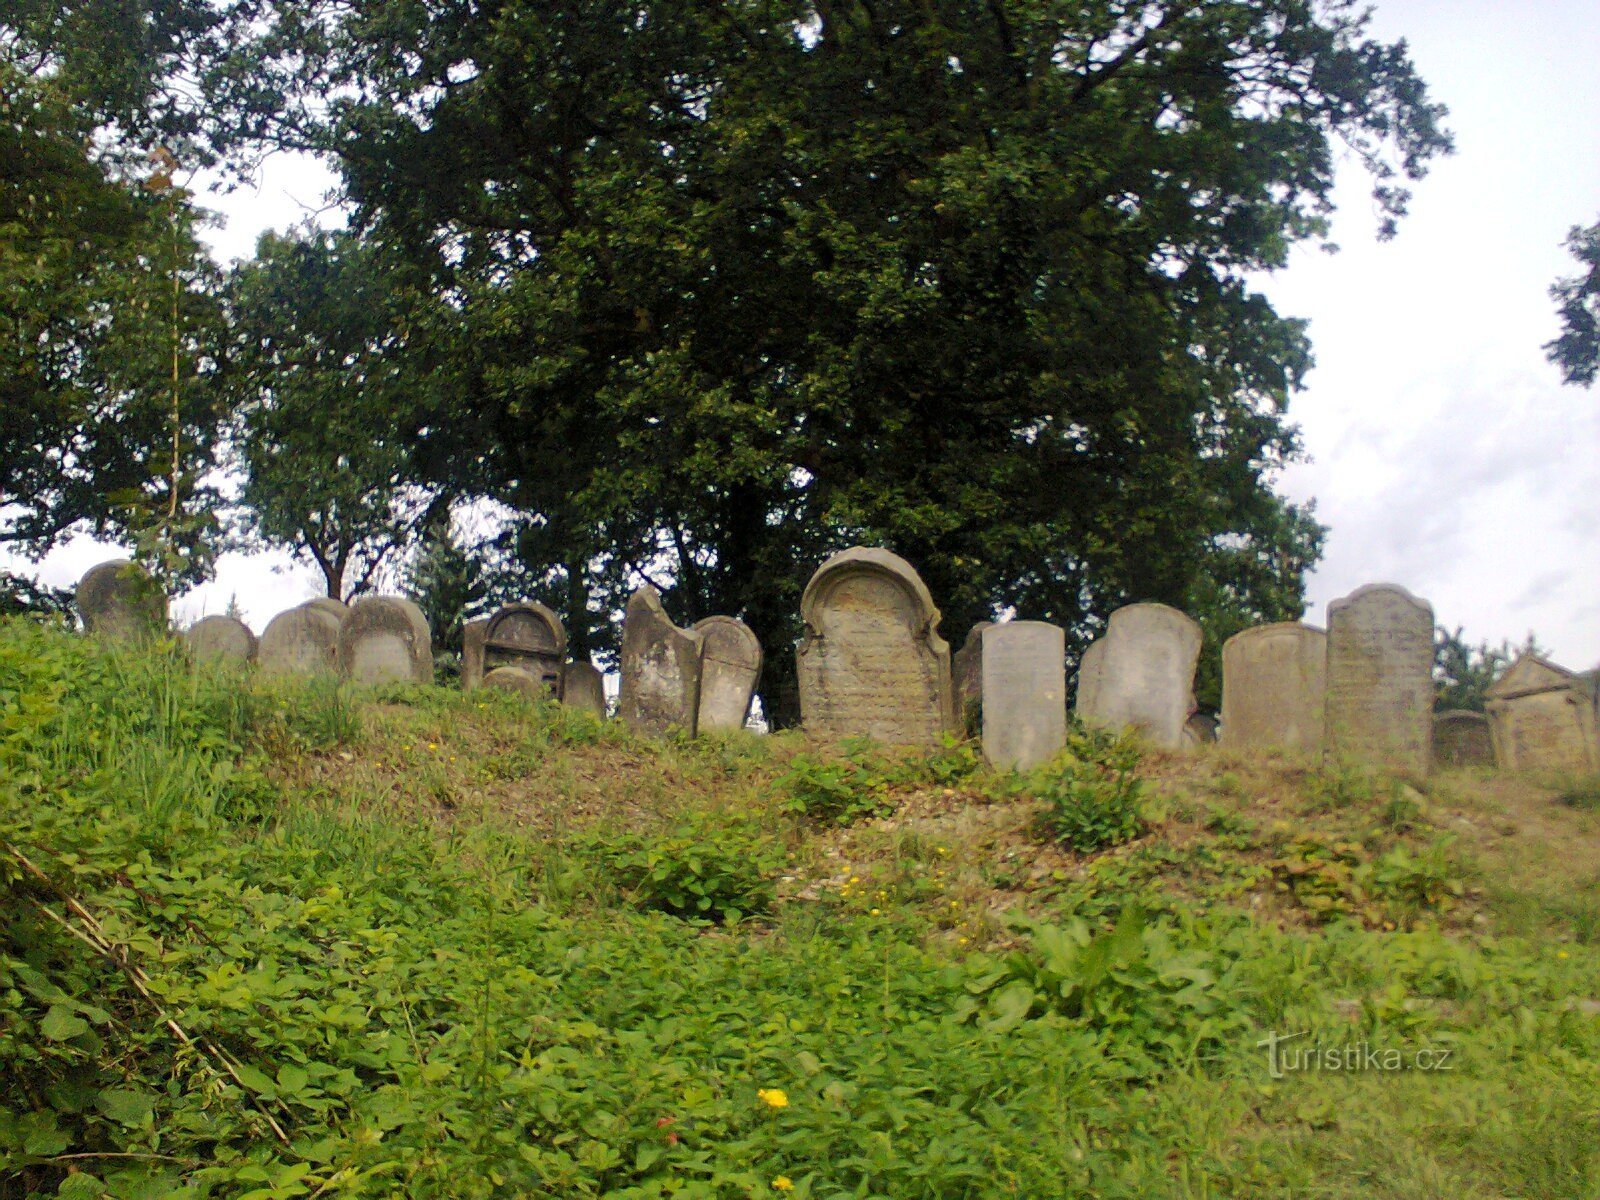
(747,282)
(1577,350)
(447,582)
(1463,673)
(322,384)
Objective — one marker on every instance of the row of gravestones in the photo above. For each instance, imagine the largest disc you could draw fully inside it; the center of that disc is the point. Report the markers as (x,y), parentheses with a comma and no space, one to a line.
(871,663)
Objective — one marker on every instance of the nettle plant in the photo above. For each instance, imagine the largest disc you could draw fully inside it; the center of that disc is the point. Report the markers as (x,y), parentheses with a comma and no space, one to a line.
(704,869)
(1092,796)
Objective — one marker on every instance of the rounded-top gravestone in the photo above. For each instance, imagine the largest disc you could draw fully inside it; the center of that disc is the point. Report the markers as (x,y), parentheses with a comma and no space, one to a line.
(1274,681)
(119,600)
(730,668)
(1380,678)
(337,609)
(1140,675)
(518,680)
(220,638)
(583,686)
(966,680)
(302,641)
(527,635)
(385,639)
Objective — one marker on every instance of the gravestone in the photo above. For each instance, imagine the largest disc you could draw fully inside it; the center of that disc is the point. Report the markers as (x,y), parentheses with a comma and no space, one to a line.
(221,638)
(119,601)
(1379,705)
(530,636)
(871,662)
(1274,686)
(1024,689)
(1542,718)
(1462,739)
(472,653)
(730,668)
(1200,730)
(385,639)
(966,680)
(302,641)
(660,668)
(583,686)
(518,680)
(337,609)
(1142,675)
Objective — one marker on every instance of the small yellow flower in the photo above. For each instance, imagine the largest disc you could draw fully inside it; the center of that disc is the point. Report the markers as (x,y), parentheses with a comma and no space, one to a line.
(874,912)
(433,745)
(773,1097)
(783,1184)
(1561,953)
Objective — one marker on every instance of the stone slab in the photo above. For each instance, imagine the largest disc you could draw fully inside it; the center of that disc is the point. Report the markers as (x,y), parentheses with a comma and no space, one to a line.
(472,633)
(660,669)
(583,686)
(1024,694)
(302,641)
(119,601)
(385,639)
(1274,688)
(517,680)
(221,638)
(730,669)
(1542,718)
(1379,706)
(529,635)
(966,680)
(1142,677)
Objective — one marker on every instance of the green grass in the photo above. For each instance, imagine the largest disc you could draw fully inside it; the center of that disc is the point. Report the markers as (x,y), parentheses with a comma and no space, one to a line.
(291,941)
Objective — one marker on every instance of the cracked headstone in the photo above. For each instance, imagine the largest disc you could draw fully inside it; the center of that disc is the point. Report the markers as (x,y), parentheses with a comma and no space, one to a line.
(660,668)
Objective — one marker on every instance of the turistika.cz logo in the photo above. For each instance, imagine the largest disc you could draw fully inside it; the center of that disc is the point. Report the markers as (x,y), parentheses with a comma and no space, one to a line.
(1287,1056)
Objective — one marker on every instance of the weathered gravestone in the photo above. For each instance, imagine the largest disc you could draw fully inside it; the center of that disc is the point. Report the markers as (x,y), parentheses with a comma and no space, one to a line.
(871,662)
(337,609)
(660,668)
(1462,739)
(118,600)
(472,653)
(385,639)
(301,641)
(730,668)
(1140,675)
(1274,687)
(530,636)
(221,639)
(966,680)
(1542,718)
(583,686)
(1380,678)
(1024,690)
(518,680)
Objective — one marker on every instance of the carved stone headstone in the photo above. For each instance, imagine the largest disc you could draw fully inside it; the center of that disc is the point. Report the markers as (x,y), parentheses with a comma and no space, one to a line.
(966,680)
(337,609)
(730,668)
(583,686)
(119,600)
(472,633)
(530,636)
(1542,718)
(221,638)
(1380,678)
(1024,688)
(301,641)
(1274,687)
(1462,739)
(871,662)
(518,680)
(1142,676)
(385,639)
(660,668)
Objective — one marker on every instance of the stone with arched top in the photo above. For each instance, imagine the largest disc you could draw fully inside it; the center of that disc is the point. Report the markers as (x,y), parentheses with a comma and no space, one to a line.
(530,636)
(221,638)
(730,668)
(1380,677)
(302,641)
(385,639)
(1274,684)
(1140,675)
(119,601)
(871,662)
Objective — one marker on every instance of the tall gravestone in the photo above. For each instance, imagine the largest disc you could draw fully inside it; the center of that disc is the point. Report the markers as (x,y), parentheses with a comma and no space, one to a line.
(660,668)
(220,639)
(871,662)
(583,686)
(472,653)
(1462,739)
(302,641)
(1542,718)
(119,601)
(385,639)
(1274,688)
(1024,690)
(1380,678)
(530,636)
(730,668)
(966,680)
(1140,675)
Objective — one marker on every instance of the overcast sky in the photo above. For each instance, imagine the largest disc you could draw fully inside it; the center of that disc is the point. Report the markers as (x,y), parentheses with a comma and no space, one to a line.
(1446,456)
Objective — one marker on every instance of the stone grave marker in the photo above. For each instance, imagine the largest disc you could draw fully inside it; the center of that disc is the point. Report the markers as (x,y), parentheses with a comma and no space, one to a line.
(516,679)
(530,636)
(966,680)
(472,633)
(1024,690)
(1274,686)
(730,668)
(385,639)
(302,641)
(660,668)
(221,638)
(119,601)
(1379,705)
(1140,675)
(1462,739)
(337,609)
(871,662)
(1542,718)
(583,686)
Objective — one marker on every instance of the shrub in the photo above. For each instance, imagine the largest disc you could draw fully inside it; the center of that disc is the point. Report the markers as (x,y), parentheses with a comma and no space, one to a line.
(1092,797)
(718,870)
(836,791)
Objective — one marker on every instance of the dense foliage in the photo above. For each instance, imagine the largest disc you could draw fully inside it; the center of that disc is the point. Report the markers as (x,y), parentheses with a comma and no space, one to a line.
(1577,350)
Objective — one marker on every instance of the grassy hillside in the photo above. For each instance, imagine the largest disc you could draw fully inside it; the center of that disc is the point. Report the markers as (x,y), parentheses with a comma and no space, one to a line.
(279,942)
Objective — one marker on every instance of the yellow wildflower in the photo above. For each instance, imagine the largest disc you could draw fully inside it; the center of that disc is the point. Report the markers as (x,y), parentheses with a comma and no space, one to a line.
(1561,953)
(783,1184)
(773,1097)
(874,912)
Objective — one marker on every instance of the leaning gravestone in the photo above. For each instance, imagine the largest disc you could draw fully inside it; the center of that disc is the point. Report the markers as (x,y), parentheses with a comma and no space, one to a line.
(302,641)
(966,680)
(472,653)
(583,686)
(1024,692)
(221,639)
(1141,676)
(1542,718)
(1274,686)
(118,600)
(730,668)
(517,680)
(1462,739)
(871,662)
(530,636)
(385,639)
(660,668)
(1380,678)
